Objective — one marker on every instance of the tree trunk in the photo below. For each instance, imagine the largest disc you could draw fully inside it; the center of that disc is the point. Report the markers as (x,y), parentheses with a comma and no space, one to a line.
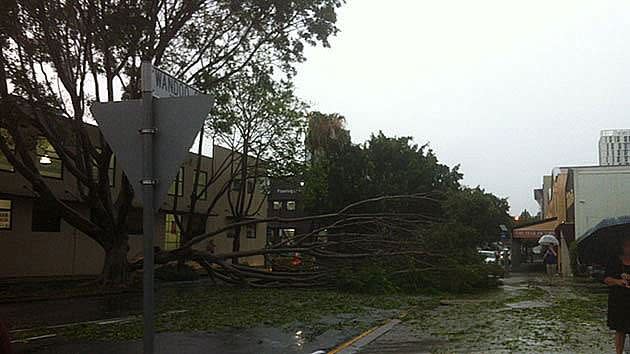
(116,267)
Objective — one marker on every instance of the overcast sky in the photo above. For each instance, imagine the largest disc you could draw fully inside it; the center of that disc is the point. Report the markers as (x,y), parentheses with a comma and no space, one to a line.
(507,89)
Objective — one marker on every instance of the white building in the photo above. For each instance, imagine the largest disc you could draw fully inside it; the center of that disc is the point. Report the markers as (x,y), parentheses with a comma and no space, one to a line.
(598,193)
(614,147)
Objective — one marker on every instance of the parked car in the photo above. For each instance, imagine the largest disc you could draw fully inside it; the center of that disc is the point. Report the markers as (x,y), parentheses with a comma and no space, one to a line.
(488,256)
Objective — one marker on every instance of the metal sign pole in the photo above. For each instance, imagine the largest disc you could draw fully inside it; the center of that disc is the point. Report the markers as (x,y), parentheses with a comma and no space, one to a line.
(148,213)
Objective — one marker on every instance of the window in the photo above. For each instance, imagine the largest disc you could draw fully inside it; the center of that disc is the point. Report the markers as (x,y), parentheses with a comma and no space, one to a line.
(291,205)
(277,205)
(5,165)
(200,189)
(49,163)
(5,214)
(177,187)
(286,234)
(45,217)
(173,234)
(250,231)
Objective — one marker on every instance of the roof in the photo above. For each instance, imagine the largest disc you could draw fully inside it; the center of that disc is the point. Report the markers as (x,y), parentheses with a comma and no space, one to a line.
(595,166)
(536,222)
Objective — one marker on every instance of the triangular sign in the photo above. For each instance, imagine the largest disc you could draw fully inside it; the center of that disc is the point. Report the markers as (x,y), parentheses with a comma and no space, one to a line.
(177,119)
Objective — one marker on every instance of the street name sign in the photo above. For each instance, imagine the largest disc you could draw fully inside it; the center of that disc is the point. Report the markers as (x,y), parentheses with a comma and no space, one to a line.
(165,85)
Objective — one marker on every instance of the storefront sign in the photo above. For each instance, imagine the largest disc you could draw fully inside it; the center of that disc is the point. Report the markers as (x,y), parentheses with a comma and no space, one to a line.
(530,234)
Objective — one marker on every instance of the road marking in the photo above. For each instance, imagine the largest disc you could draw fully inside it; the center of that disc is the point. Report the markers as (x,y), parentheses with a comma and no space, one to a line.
(30,339)
(103,322)
(365,338)
(115,320)
(175,312)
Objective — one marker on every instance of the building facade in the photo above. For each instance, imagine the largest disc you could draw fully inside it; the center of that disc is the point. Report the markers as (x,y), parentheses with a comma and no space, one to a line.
(35,241)
(579,198)
(614,147)
(286,201)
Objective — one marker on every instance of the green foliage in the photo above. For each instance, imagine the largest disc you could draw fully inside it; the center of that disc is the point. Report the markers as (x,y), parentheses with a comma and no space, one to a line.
(455,267)
(451,275)
(219,308)
(259,116)
(454,277)
(341,173)
(480,210)
(397,166)
(326,133)
(368,279)
(525,218)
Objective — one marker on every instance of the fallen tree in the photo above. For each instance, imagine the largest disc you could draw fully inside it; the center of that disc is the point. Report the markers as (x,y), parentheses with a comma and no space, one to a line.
(365,231)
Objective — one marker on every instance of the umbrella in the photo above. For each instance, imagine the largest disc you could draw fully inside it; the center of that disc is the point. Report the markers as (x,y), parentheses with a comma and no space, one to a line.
(603,241)
(548,240)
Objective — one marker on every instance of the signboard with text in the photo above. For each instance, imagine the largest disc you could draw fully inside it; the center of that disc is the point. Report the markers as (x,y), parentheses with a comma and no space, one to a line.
(530,234)
(165,85)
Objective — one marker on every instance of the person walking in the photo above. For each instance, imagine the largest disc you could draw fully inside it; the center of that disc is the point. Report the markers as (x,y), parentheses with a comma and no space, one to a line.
(617,277)
(550,258)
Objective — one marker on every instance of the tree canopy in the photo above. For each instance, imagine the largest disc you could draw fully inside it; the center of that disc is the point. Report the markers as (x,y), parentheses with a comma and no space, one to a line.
(341,172)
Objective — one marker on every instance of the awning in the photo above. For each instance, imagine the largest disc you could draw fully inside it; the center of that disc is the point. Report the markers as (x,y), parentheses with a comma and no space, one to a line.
(535,230)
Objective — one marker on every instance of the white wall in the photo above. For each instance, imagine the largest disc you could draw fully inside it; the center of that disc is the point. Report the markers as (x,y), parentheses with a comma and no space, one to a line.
(600,193)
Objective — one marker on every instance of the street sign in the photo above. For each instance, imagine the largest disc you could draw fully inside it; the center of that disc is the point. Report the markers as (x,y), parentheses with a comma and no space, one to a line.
(177,121)
(162,124)
(165,85)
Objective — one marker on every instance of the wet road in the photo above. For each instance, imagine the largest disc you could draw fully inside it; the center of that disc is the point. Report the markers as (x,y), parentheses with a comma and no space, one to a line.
(55,312)
(246,341)
(528,315)
(293,337)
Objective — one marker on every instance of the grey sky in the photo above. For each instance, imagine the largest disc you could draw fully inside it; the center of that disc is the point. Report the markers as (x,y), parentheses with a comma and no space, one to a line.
(509,89)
